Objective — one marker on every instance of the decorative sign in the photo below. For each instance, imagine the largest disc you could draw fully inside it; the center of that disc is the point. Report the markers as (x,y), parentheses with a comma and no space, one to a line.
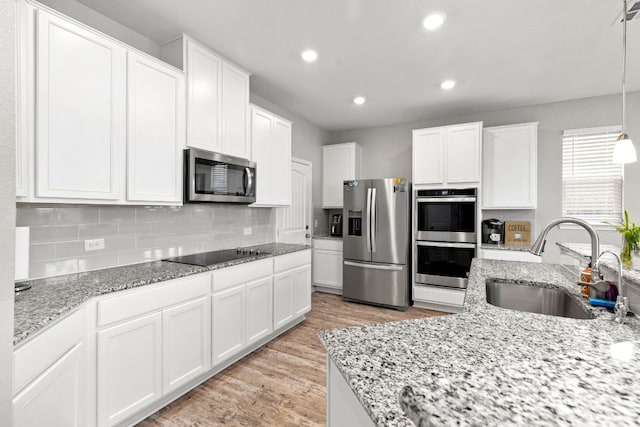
(517,233)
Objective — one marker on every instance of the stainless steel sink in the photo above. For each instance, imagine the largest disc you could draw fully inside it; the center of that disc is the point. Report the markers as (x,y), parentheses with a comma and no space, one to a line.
(535,299)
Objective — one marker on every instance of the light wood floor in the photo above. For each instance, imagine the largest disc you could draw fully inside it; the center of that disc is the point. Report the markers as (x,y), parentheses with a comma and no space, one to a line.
(281,384)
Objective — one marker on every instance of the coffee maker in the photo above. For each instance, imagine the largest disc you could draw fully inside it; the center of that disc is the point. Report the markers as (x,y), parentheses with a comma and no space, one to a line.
(493,231)
(336,225)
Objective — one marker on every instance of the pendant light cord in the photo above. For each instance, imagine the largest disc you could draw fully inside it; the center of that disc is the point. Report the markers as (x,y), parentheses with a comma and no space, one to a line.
(624,67)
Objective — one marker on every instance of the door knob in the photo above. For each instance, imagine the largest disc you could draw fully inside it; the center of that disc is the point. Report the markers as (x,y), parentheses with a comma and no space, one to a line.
(307,236)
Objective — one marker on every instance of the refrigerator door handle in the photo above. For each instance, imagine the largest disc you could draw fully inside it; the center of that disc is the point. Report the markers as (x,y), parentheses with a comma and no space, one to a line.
(368,236)
(373,224)
(390,267)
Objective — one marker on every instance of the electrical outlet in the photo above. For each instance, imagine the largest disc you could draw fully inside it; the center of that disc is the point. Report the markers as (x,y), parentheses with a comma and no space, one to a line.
(93,245)
(248,231)
(315,223)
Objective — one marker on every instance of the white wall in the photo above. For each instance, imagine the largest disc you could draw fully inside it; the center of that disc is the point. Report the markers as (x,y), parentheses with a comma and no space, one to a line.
(387,152)
(7,203)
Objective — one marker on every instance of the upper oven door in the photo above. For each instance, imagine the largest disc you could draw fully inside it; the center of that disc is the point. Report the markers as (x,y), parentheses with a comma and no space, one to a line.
(214,177)
(446,219)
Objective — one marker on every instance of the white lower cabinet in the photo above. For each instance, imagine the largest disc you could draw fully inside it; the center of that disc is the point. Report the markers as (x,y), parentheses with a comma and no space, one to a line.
(228,323)
(291,294)
(129,368)
(185,327)
(57,397)
(440,298)
(327,264)
(259,298)
(50,376)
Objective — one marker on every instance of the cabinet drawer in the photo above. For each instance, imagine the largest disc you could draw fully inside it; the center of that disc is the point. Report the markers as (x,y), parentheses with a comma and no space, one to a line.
(289,261)
(507,255)
(37,354)
(328,244)
(152,298)
(439,295)
(240,274)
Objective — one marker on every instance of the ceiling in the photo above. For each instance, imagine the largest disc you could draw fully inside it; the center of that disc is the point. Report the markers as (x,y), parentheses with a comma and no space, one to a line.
(502,53)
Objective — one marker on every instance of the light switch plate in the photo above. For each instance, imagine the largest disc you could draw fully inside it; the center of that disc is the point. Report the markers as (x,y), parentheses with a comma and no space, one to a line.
(93,245)
(248,231)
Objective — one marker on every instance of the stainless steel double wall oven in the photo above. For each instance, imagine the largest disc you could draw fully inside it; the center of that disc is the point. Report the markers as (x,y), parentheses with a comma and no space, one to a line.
(446,236)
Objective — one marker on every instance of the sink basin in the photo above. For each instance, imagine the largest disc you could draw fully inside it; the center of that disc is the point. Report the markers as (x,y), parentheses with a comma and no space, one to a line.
(535,299)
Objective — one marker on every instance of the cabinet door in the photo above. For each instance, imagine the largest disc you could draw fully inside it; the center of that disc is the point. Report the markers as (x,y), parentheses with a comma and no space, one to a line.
(129,368)
(186,342)
(259,309)
(281,163)
(509,166)
(155,117)
(428,150)
(338,165)
(463,153)
(261,123)
(327,268)
(282,299)
(235,111)
(57,397)
(80,112)
(228,318)
(301,290)
(204,97)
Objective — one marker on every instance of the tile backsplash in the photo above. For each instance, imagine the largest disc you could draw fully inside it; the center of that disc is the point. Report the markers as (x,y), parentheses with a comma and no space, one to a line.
(134,234)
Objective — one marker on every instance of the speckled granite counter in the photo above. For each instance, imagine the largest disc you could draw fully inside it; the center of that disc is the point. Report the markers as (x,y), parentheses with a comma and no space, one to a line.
(493,366)
(327,237)
(505,247)
(49,299)
(583,251)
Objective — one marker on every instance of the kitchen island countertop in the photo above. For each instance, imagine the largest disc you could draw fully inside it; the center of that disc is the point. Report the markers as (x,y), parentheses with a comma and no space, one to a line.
(493,366)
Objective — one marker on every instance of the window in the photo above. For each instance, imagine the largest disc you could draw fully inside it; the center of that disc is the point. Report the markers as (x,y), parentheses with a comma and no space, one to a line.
(591,183)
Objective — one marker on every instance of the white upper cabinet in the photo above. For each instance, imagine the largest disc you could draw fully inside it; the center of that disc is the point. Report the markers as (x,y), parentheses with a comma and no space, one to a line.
(155,131)
(235,111)
(217,100)
(204,96)
(98,121)
(340,162)
(271,150)
(447,154)
(509,166)
(80,111)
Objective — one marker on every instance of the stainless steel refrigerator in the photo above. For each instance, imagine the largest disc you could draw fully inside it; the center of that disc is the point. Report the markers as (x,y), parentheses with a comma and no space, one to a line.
(376,228)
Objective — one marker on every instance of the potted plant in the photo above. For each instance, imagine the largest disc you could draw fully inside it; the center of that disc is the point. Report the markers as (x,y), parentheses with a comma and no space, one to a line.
(630,239)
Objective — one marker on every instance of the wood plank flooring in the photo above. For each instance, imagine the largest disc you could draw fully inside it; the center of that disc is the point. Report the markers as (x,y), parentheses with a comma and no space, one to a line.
(281,384)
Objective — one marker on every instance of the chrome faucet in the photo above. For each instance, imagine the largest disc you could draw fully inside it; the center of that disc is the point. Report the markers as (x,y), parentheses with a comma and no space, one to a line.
(622,303)
(538,245)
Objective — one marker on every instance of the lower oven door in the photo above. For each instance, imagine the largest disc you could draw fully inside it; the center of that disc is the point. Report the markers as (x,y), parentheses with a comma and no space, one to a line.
(444,264)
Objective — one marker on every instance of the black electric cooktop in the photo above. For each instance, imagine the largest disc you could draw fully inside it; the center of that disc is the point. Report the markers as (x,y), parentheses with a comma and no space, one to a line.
(206,259)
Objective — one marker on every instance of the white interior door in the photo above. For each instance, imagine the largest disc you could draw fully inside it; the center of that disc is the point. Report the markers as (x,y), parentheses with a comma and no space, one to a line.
(293,223)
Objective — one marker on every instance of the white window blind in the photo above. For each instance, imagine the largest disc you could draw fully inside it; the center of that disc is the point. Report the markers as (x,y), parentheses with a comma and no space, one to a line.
(592,185)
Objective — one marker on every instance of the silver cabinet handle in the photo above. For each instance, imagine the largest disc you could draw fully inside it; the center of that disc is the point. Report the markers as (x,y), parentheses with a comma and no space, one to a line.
(447,245)
(368,220)
(445,199)
(375,266)
(374,223)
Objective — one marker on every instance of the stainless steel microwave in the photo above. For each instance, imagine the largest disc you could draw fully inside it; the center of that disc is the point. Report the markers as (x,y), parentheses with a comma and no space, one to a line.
(215,177)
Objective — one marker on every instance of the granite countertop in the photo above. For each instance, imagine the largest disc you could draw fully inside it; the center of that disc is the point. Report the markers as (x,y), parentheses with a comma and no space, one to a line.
(327,237)
(583,251)
(493,366)
(50,298)
(502,247)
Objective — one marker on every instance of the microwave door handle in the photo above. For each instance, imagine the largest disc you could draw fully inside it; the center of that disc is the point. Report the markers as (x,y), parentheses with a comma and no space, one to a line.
(368,236)
(373,224)
(249,179)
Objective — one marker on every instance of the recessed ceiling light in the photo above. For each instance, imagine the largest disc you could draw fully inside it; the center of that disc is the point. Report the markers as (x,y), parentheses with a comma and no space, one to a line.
(359,100)
(434,20)
(309,55)
(448,84)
